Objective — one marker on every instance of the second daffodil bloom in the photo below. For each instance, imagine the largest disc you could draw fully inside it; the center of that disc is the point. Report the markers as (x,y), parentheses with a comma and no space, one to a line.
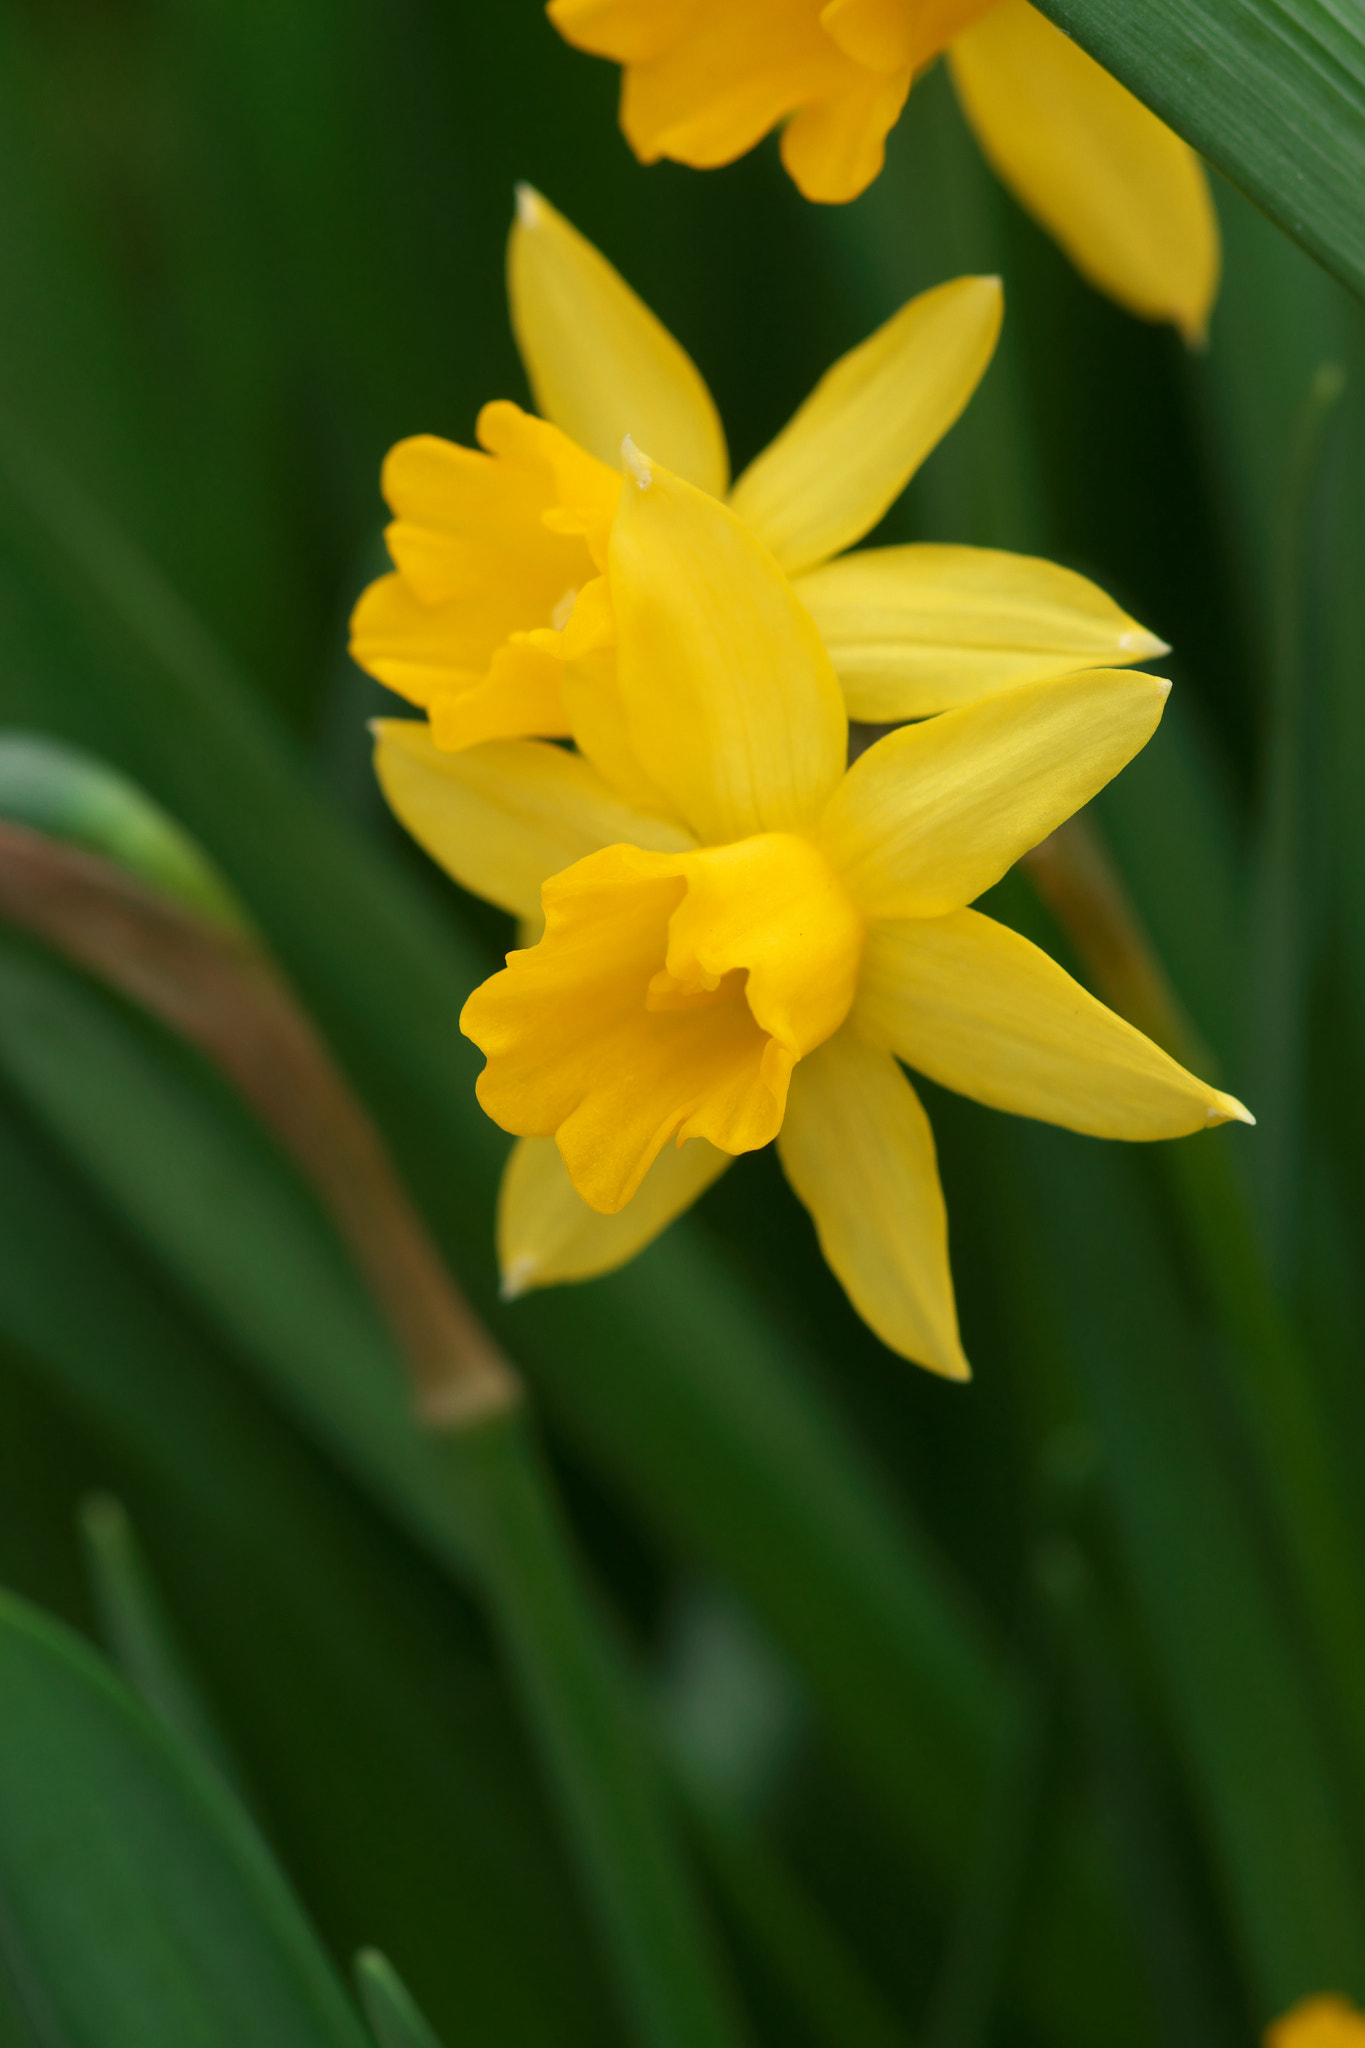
(753,959)
(705,79)
(498,617)
(1324,2021)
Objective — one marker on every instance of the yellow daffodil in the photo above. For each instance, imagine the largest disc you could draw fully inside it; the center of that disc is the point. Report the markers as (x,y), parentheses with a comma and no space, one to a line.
(1322,2022)
(706,79)
(498,619)
(751,956)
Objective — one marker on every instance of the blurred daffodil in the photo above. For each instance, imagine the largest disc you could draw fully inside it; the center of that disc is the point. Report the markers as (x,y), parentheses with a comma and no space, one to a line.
(750,955)
(498,619)
(1325,2021)
(706,79)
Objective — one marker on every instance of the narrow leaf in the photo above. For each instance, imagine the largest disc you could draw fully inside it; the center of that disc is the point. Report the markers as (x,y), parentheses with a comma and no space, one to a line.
(139,1908)
(1271,91)
(138,1634)
(390,2007)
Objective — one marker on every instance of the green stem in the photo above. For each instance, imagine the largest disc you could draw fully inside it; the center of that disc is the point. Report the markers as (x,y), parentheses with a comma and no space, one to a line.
(1191,2006)
(1277,1397)
(593,1737)
(964,1999)
(816,1971)
(1272,1386)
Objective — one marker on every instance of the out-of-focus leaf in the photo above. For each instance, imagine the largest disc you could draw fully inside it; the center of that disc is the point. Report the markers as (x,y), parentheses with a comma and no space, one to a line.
(359,1691)
(139,1906)
(1240,1699)
(221,992)
(588,1712)
(138,1635)
(592,1739)
(1271,91)
(389,2006)
(79,799)
(176,1154)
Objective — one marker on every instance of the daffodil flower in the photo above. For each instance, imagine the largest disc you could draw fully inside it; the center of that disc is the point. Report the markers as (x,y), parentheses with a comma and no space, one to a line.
(753,958)
(706,79)
(1324,2021)
(498,619)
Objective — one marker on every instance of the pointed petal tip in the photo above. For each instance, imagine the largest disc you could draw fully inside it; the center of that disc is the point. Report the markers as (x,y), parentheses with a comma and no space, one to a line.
(1226,1109)
(1142,645)
(1163,685)
(517,1279)
(636,464)
(530,206)
(951,1364)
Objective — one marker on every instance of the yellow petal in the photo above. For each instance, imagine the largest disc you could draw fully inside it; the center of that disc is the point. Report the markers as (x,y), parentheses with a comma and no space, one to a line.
(935,813)
(502,818)
(886,34)
(869,423)
(547,1233)
(979,1009)
(1127,199)
(732,706)
(1324,2021)
(630,31)
(914,630)
(832,148)
(857,1148)
(601,366)
(597,720)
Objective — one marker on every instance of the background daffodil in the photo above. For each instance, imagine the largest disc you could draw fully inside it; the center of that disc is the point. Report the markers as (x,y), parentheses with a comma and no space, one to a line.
(1324,2021)
(751,960)
(498,620)
(1127,199)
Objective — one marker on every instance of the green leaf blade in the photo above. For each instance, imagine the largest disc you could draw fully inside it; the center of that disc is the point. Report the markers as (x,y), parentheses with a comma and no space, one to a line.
(1272,92)
(140,1909)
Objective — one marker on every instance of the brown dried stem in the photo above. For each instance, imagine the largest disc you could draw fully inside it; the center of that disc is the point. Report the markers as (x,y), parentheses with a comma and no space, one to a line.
(216,989)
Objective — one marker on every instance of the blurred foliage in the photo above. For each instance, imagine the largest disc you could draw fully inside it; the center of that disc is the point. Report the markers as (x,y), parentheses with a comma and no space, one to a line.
(1021,1713)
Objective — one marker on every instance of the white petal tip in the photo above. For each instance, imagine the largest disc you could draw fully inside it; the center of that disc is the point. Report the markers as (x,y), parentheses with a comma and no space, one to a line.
(1228,1111)
(530,212)
(1142,645)
(636,464)
(518,1279)
(1163,686)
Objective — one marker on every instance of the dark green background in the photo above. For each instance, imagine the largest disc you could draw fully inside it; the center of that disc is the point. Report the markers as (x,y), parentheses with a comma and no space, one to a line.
(243,248)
